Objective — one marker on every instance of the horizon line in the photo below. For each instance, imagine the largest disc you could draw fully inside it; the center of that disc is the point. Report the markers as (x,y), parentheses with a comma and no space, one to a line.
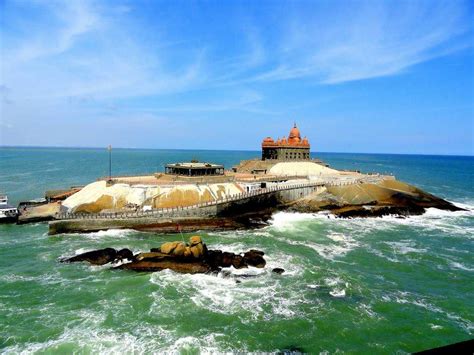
(227,150)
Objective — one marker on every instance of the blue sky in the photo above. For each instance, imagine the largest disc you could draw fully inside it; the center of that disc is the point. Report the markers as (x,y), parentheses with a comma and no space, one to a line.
(356,76)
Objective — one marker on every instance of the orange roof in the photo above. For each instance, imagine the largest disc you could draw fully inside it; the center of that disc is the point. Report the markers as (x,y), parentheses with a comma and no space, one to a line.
(295,136)
(294,140)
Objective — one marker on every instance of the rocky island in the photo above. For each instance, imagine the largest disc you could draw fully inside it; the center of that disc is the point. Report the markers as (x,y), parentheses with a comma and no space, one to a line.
(193,196)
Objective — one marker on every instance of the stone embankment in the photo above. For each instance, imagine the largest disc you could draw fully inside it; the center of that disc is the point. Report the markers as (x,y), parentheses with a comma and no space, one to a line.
(231,212)
(209,208)
(345,196)
(236,211)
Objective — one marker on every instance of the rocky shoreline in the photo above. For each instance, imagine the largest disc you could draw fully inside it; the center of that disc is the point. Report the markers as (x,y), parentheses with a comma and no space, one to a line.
(364,199)
(388,197)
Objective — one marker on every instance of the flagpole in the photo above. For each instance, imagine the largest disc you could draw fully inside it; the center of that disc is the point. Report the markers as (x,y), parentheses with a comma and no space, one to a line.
(109,148)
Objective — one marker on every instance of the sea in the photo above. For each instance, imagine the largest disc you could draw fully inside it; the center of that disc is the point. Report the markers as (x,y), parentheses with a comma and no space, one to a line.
(379,285)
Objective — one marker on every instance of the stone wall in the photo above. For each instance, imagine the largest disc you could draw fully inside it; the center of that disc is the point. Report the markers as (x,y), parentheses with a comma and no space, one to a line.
(219,213)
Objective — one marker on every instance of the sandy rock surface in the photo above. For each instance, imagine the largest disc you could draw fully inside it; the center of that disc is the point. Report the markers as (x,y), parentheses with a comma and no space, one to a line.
(301,168)
(97,196)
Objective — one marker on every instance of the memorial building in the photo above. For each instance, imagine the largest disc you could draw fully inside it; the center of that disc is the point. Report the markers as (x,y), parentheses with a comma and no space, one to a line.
(291,148)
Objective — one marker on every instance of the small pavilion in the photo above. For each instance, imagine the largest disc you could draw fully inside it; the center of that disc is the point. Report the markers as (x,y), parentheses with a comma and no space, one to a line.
(194,169)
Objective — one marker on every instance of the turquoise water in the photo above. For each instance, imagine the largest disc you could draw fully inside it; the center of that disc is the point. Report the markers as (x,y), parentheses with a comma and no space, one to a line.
(364,285)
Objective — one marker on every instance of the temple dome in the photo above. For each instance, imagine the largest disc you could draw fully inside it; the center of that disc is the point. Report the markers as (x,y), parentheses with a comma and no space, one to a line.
(295,136)
(268,140)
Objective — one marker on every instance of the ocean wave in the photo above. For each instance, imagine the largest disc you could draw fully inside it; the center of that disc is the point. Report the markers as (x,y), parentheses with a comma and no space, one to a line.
(247,293)
(382,255)
(467,205)
(284,221)
(115,233)
(367,310)
(88,335)
(103,234)
(44,279)
(340,246)
(451,224)
(405,247)
(404,297)
(457,265)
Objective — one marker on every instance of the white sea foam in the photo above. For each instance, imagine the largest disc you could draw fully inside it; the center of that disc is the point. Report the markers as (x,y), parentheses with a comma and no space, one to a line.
(331,251)
(256,292)
(447,222)
(338,293)
(116,233)
(332,281)
(88,337)
(337,285)
(405,247)
(100,235)
(460,266)
(382,255)
(284,221)
(367,310)
(341,243)
(44,279)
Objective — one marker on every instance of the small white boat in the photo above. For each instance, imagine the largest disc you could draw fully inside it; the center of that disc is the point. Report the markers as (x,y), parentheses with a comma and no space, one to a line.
(8,213)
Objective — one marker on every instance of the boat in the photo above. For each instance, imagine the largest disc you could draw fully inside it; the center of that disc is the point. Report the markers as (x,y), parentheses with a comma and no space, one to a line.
(8,213)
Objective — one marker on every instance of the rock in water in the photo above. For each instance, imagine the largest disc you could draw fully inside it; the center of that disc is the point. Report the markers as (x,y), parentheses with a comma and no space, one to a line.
(169,247)
(213,258)
(151,255)
(227,259)
(124,254)
(158,263)
(96,257)
(255,258)
(194,240)
(278,271)
(238,262)
(196,249)
(193,258)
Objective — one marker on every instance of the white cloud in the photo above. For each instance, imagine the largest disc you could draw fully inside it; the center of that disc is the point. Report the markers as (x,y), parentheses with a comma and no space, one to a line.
(368,40)
(83,50)
(73,61)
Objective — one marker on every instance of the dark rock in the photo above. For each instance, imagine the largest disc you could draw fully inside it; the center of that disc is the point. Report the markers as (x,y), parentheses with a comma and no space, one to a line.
(217,258)
(227,259)
(278,270)
(213,258)
(96,257)
(211,262)
(378,211)
(254,258)
(124,254)
(226,274)
(255,252)
(172,263)
(291,350)
(238,262)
